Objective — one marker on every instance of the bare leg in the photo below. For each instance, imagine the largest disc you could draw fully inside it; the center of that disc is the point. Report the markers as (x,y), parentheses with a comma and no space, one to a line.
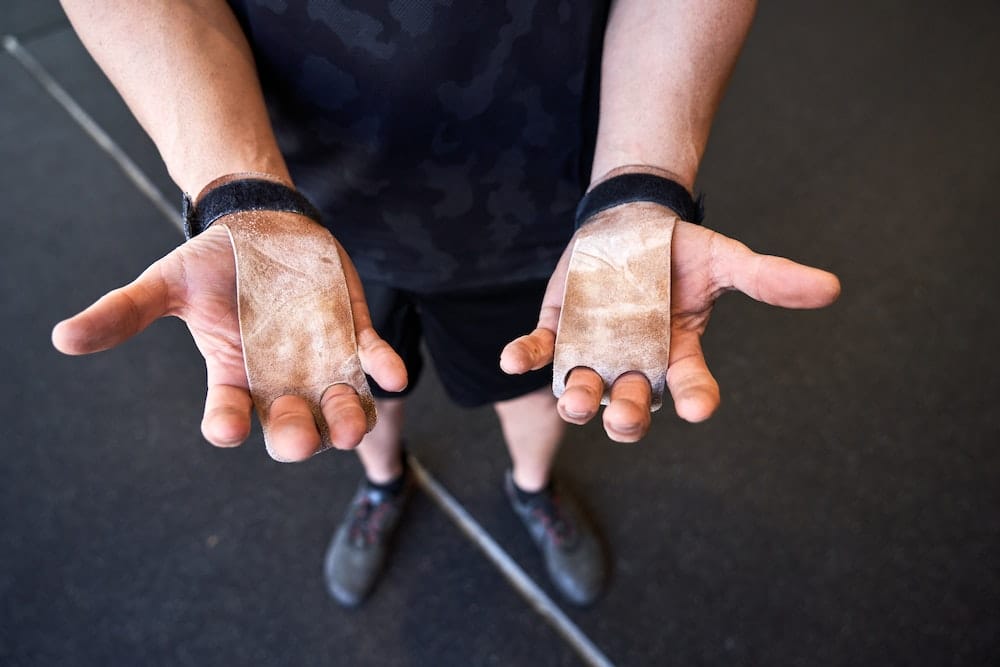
(533,430)
(380,450)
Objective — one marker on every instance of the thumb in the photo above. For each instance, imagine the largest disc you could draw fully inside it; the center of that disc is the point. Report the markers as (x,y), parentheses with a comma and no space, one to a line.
(116,316)
(776,280)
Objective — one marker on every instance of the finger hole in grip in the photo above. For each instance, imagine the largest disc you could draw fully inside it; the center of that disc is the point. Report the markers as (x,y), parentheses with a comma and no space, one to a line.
(289,435)
(615,314)
(365,401)
(587,381)
(295,314)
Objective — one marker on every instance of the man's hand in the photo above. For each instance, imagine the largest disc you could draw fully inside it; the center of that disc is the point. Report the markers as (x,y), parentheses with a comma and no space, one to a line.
(197,283)
(705,265)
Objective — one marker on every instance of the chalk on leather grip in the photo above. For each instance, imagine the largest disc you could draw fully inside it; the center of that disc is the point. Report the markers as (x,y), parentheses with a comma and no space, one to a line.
(295,313)
(616,307)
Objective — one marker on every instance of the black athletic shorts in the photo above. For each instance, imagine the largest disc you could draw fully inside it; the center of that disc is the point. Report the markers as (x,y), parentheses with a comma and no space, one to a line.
(464,333)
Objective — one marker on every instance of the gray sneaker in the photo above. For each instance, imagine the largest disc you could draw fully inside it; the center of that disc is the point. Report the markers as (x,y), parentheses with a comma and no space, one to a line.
(573,556)
(358,549)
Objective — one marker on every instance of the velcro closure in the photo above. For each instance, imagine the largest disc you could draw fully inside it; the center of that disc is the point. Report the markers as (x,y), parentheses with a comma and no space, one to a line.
(635,187)
(246,194)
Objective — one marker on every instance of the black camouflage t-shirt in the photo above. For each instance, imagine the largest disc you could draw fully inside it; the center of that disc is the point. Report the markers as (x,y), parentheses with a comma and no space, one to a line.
(445,142)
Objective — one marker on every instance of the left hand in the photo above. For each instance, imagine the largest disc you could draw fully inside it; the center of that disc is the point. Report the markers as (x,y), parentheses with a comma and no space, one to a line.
(705,264)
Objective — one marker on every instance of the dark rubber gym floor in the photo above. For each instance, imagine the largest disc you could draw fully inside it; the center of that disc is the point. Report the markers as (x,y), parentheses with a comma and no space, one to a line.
(842,508)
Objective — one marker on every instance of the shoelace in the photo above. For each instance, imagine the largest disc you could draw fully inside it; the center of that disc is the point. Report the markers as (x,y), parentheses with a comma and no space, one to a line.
(367,522)
(547,510)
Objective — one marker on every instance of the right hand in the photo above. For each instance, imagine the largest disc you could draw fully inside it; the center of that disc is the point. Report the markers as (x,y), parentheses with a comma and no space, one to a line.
(197,283)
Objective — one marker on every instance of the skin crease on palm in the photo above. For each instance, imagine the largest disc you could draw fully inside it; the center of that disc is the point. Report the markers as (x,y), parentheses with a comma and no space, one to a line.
(196,282)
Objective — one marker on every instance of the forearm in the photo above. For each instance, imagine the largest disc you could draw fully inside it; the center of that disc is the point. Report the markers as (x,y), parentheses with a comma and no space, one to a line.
(186,72)
(665,67)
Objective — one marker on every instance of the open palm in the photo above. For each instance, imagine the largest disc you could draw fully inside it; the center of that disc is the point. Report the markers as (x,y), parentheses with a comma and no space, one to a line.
(197,283)
(705,264)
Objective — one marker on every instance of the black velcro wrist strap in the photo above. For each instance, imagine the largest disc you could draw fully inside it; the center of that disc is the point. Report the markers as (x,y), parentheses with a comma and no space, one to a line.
(628,188)
(249,194)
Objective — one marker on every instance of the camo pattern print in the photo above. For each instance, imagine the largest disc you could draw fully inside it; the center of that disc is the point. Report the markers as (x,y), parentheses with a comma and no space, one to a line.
(446,142)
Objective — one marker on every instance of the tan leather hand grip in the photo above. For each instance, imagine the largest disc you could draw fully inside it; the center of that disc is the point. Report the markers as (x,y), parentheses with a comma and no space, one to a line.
(616,307)
(295,313)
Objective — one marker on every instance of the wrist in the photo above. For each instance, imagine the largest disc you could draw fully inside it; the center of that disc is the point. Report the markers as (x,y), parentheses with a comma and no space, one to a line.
(637,168)
(198,170)
(608,163)
(240,176)
(240,193)
(638,183)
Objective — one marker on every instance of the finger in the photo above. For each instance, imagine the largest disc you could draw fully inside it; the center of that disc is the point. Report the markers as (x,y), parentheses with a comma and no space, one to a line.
(776,280)
(694,390)
(548,317)
(378,359)
(535,350)
(226,422)
(227,415)
(292,433)
(528,353)
(115,317)
(626,419)
(344,416)
(582,397)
